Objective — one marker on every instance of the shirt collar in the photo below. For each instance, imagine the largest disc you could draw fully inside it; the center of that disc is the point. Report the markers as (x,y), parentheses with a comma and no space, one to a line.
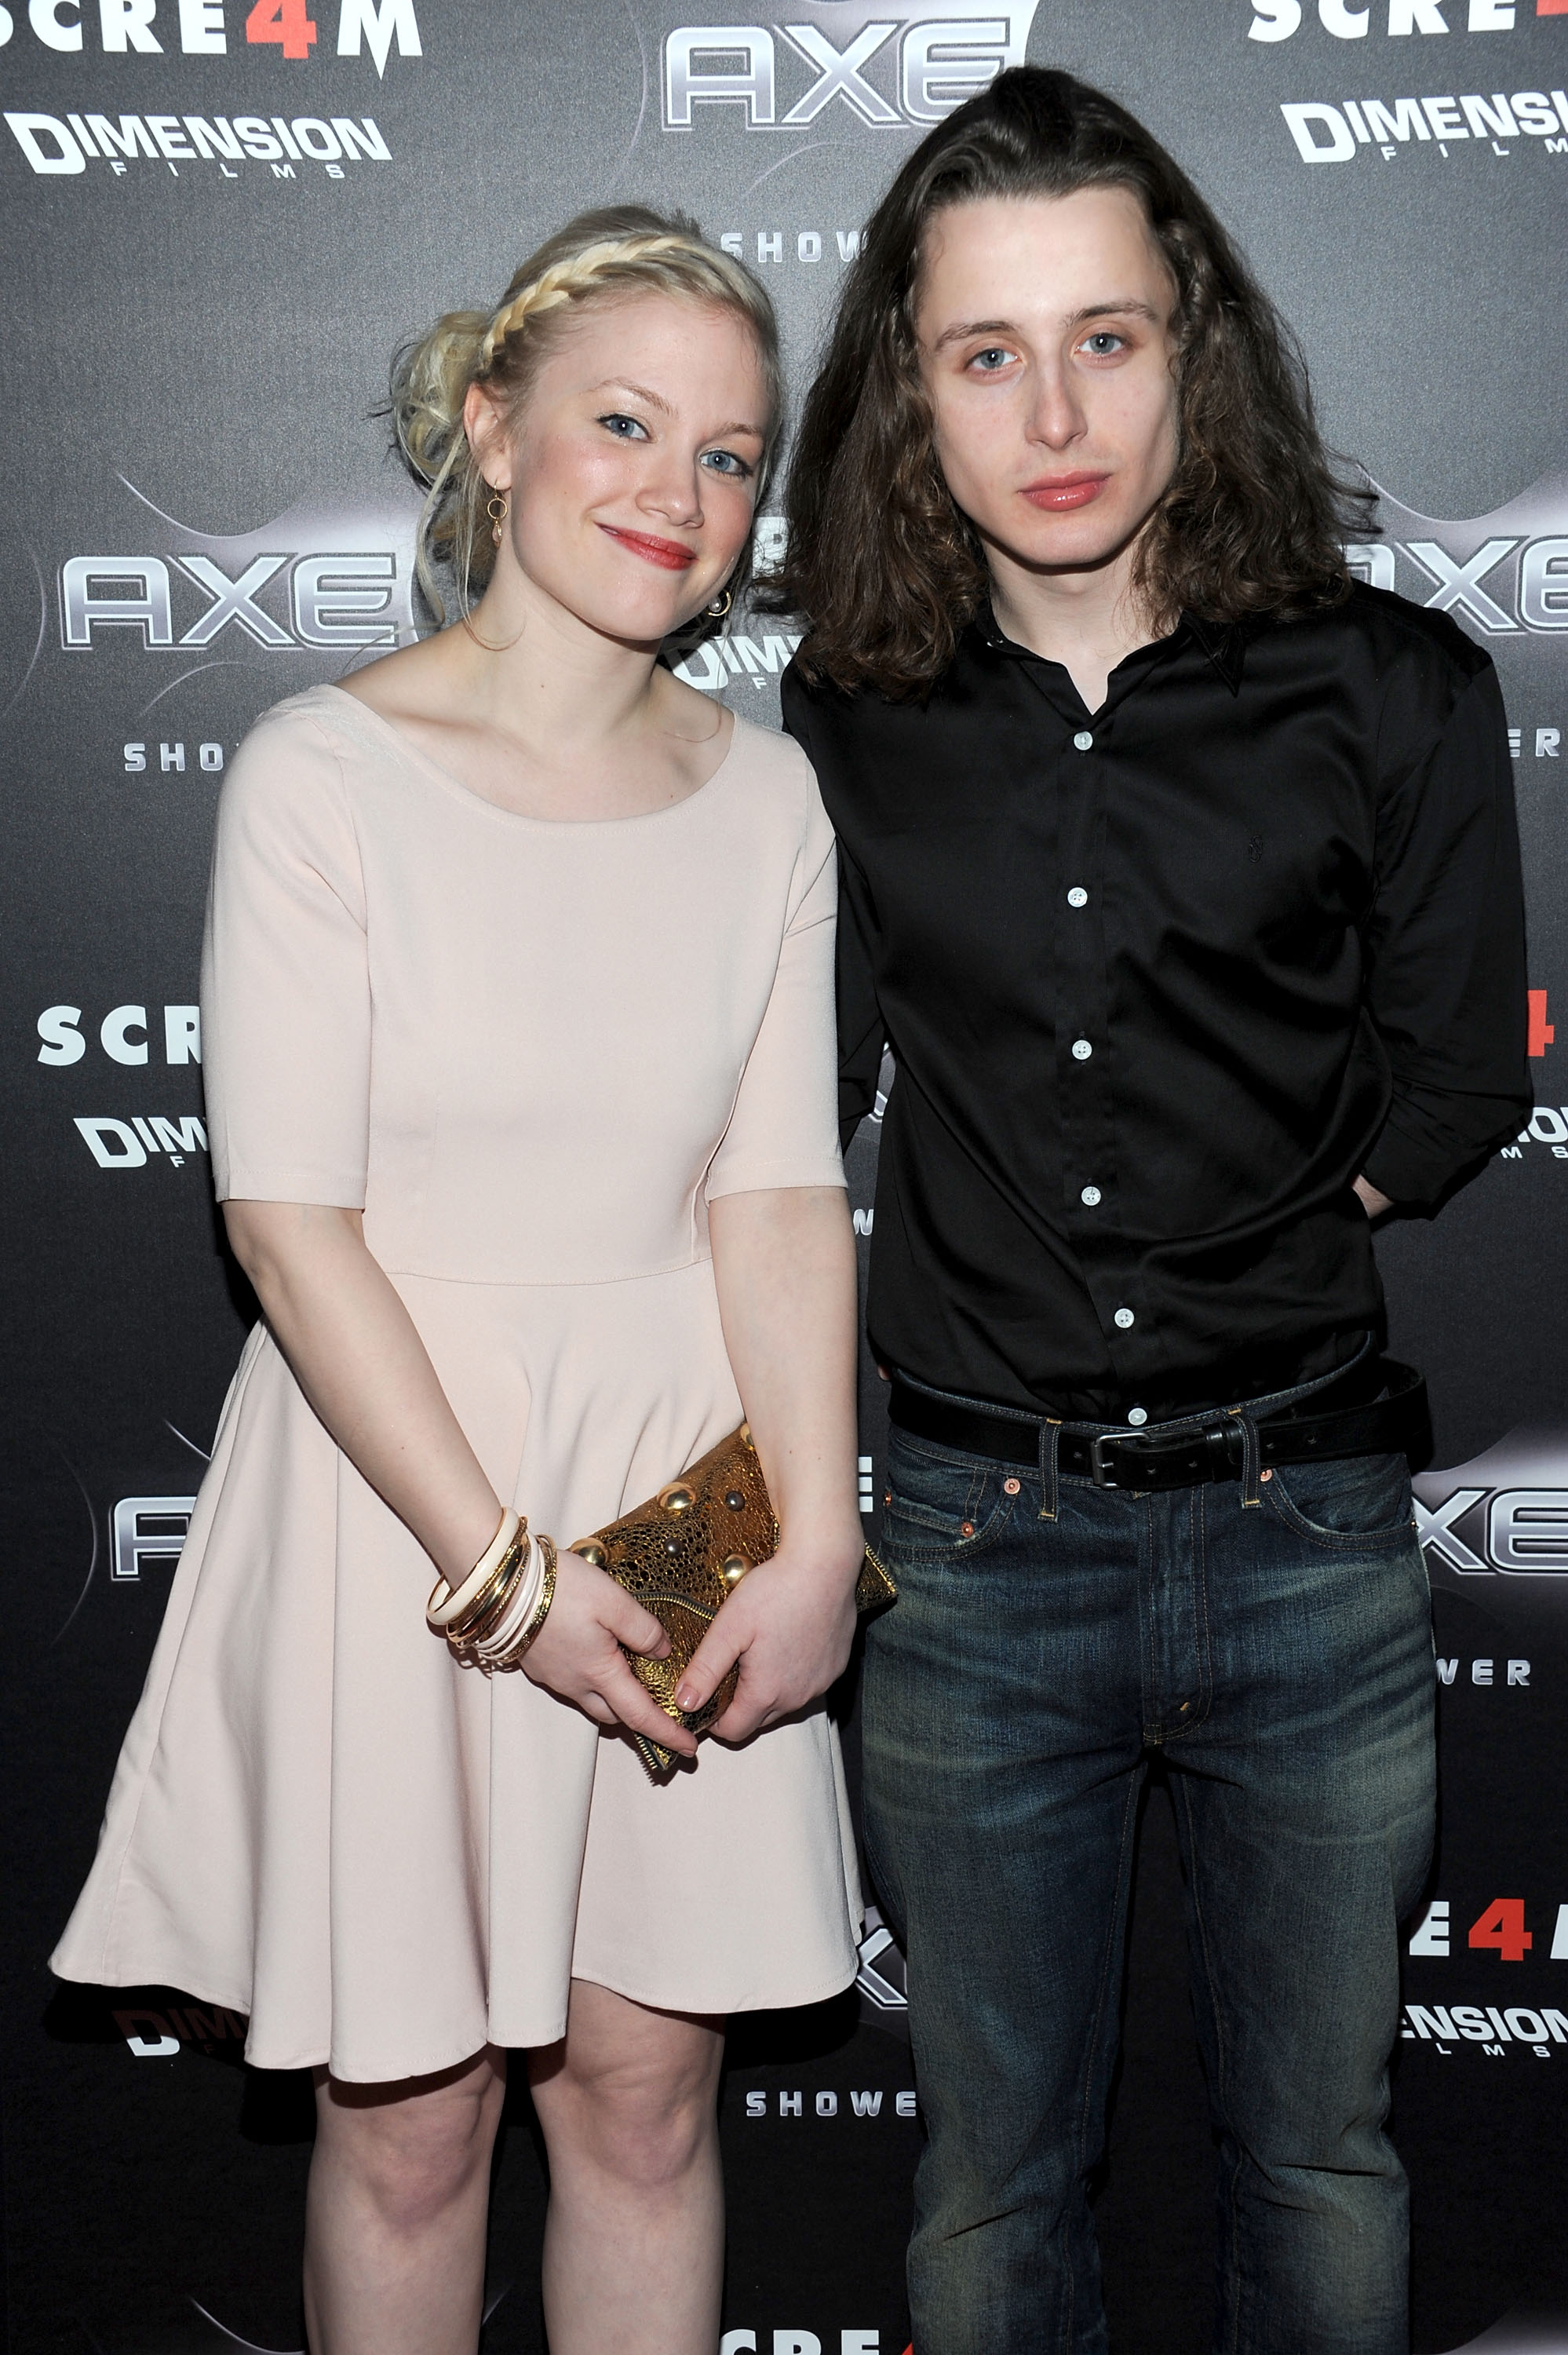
(1224,642)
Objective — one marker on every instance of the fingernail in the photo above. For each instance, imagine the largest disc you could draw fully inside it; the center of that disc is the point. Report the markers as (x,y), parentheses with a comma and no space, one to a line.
(686,1697)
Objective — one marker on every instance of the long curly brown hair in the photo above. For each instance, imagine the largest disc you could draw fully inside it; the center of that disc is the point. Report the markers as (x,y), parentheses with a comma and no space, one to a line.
(880,560)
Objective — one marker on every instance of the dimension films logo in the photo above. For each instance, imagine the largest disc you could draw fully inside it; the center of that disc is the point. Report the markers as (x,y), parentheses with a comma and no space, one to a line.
(1333,134)
(1504,574)
(1503,1517)
(875,66)
(57,148)
(333,578)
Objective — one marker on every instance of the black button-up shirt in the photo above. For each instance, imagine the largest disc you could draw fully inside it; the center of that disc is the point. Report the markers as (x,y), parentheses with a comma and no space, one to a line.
(1159,981)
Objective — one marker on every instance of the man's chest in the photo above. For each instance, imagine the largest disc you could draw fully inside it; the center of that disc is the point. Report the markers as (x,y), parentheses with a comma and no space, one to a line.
(990,843)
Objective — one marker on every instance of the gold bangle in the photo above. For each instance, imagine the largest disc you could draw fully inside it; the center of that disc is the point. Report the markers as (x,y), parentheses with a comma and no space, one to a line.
(449,1606)
(541,1610)
(489,1606)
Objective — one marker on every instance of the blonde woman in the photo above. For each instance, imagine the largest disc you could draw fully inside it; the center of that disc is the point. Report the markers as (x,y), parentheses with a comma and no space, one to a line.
(519,1082)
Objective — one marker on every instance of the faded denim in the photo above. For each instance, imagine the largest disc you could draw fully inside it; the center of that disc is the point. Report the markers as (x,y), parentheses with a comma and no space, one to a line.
(1279,1653)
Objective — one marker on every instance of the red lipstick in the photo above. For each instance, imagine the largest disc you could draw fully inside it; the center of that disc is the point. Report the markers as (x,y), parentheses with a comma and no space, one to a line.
(669,553)
(1058,494)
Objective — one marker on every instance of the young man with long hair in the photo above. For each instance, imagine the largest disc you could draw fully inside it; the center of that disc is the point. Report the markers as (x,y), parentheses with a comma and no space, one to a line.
(1180,874)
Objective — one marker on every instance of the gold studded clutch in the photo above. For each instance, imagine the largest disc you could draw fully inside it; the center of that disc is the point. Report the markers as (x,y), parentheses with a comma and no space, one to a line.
(682,1553)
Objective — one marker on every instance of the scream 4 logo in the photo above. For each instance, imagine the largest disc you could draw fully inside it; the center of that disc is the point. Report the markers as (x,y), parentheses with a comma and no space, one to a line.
(880,67)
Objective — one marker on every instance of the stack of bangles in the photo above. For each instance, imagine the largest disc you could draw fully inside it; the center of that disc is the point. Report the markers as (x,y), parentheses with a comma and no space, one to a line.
(491,1618)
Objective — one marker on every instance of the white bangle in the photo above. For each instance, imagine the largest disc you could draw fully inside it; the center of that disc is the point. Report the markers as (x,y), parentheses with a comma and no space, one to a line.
(442,1614)
(495,1647)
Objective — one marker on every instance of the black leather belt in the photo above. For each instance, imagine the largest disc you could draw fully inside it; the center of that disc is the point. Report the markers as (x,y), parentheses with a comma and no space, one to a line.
(1397,1423)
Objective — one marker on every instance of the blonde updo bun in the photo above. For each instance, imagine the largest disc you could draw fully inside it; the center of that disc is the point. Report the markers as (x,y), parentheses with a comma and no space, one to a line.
(615,251)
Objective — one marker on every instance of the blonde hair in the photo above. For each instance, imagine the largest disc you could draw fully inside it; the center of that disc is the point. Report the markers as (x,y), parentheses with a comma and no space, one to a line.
(616,250)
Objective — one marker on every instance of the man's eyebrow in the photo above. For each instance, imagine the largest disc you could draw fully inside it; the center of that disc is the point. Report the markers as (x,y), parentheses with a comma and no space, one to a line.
(1132,306)
(962,329)
(656,400)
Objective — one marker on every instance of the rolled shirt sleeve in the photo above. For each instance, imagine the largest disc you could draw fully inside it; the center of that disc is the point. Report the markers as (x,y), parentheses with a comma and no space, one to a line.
(1445,952)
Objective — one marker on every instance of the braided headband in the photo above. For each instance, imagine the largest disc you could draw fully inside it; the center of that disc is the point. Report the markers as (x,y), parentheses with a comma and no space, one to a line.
(564,280)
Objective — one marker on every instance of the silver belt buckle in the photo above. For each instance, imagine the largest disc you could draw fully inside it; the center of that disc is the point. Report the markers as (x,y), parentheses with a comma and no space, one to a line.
(1097,1472)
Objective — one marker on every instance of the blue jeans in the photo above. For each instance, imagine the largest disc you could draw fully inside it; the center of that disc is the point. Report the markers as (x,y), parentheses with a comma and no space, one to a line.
(1276,1652)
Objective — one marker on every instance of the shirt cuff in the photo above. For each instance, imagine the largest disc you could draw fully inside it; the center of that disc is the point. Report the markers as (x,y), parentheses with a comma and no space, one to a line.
(333,1190)
(745,1177)
(1418,1171)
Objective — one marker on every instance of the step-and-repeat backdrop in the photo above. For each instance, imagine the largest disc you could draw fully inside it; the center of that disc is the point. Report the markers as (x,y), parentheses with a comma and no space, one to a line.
(221,220)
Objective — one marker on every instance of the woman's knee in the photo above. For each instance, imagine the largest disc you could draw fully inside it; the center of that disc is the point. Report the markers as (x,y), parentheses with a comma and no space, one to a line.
(646,2118)
(412,2155)
(644,2135)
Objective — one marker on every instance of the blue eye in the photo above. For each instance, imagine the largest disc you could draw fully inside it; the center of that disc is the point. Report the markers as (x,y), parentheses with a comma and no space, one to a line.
(994,356)
(625,429)
(1104,345)
(726,461)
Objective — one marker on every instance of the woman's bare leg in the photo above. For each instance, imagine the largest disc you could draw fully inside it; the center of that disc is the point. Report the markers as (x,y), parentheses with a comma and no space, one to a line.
(634,2241)
(396,2214)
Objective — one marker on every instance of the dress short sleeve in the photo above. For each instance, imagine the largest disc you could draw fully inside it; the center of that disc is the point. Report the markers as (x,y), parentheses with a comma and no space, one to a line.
(285,989)
(784,1128)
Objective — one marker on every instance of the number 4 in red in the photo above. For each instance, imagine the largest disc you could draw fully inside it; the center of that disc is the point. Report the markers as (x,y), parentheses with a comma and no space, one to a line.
(1502,1926)
(283,21)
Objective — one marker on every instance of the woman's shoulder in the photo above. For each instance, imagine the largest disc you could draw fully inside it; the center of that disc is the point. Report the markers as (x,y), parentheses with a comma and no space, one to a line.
(287,784)
(320,725)
(774,767)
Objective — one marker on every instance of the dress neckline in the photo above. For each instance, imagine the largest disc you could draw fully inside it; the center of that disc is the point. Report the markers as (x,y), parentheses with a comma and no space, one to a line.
(452,783)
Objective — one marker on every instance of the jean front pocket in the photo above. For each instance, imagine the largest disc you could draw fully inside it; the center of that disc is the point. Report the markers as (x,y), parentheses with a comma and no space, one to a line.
(940,1503)
(1349,1501)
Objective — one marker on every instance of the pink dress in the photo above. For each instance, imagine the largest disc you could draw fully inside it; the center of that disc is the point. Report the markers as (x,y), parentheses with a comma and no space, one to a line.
(532,1052)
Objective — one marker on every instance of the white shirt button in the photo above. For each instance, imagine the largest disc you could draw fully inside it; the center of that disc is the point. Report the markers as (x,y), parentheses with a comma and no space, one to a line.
(1124,1317)
(1138,1414)
(1082,1051)
(1077,897)
(1082,742)
(1089,1197)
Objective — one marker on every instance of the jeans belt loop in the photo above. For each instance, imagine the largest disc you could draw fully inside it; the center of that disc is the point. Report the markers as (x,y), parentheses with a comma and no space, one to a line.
(1050,1449)
(1252,1459)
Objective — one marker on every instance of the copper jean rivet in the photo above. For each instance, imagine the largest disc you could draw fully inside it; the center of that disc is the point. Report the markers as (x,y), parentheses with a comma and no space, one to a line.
(968,1528)
(1011,1488)
(1266,1476)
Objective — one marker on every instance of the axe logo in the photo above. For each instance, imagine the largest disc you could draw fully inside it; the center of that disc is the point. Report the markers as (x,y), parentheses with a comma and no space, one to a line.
(316,577)
(1500,575)
(1504,1515)
(866,64)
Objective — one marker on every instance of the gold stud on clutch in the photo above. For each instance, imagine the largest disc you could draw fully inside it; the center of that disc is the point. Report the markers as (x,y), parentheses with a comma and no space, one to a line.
(677,1497)
(733,1568)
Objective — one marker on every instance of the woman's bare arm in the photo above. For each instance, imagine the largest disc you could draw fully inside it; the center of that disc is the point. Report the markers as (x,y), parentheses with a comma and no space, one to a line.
(356,1355)
(784,1264)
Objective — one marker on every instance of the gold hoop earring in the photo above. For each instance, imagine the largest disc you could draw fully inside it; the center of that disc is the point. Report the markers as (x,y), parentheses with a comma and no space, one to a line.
(720,606)
(498,508)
